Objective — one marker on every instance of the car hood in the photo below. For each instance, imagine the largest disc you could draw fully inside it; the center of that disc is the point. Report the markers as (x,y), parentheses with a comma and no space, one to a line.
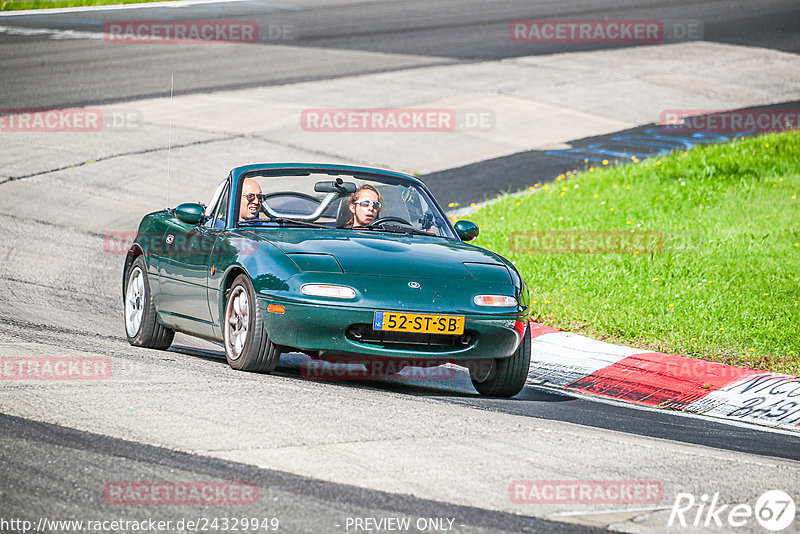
(387,254)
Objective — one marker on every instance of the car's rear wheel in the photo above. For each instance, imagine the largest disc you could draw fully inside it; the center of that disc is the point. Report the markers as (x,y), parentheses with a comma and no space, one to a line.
(509,374)
(247,345)
(141,323)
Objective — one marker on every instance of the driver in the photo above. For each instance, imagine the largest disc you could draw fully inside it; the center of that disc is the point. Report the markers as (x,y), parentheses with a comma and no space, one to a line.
(365,204)
(251,200)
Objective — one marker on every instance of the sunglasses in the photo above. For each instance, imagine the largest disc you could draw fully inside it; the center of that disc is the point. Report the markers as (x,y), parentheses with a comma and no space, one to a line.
(366,204)
(252,197)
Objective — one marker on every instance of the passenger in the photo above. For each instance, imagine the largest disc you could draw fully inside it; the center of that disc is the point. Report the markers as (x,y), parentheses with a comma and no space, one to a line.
(365,204)
(250,207)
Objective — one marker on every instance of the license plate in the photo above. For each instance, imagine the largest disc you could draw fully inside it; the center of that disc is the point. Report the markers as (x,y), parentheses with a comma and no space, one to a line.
(418,323)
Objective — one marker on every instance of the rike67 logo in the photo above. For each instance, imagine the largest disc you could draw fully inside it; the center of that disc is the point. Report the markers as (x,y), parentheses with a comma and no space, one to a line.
(774,510)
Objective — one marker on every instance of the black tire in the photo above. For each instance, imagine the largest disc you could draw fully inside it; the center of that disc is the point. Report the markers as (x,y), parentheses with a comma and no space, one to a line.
(247,346)
(145,332)
(510,373)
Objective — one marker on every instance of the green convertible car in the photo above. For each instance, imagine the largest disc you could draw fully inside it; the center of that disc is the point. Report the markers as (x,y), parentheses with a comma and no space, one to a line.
(342,263)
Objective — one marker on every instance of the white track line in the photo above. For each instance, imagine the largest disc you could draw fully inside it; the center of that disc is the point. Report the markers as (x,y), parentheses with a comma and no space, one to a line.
(606,512)
(54,34)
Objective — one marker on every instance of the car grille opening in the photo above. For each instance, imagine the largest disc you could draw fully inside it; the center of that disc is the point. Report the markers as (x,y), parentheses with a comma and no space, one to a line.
(363,333)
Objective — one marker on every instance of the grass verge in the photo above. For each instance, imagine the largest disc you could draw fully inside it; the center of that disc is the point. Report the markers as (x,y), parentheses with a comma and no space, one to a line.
(11,5)
(696,253)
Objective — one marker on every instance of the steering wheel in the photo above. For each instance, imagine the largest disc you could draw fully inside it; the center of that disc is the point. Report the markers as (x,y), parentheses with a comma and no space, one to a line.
(381,220)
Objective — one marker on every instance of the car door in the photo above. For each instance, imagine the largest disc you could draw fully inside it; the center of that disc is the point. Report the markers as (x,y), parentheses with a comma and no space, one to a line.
(222,255)
(184,270)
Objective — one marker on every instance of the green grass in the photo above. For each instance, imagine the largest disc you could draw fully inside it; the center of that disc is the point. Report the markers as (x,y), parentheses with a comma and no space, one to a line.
(724,284)
(12,5)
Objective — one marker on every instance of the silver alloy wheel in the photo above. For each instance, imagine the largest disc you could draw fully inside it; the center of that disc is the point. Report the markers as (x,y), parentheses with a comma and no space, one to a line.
(237,322)
(134,301)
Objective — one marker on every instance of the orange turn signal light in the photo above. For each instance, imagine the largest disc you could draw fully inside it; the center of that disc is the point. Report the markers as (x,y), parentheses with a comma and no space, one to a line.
(276,308)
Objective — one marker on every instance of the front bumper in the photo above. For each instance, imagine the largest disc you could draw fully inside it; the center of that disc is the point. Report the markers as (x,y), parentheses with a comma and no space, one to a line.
(324,331)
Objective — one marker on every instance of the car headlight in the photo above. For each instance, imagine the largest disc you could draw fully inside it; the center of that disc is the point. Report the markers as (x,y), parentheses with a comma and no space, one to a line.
(494,301)
(327,290)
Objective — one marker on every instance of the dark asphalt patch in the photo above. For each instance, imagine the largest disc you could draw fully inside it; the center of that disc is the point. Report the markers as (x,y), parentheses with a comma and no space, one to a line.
(479,182)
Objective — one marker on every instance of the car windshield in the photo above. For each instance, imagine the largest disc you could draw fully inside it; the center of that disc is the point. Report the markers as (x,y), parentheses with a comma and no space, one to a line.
(358,202)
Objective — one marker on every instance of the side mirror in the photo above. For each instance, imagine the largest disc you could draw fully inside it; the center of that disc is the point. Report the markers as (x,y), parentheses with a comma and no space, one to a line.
(190,212)
(466,230)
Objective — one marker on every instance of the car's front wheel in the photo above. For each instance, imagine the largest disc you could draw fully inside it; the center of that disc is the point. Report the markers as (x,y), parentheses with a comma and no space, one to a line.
(247,345)
(141,323)
(508,375)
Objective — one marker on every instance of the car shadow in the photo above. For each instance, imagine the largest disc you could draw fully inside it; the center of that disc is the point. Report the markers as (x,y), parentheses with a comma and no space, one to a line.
(454,383)
(204,354)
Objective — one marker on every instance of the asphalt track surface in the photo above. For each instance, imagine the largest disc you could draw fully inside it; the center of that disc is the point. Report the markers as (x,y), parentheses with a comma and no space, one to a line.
(48,469)
(81,463)
(39,70)
(552,404)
